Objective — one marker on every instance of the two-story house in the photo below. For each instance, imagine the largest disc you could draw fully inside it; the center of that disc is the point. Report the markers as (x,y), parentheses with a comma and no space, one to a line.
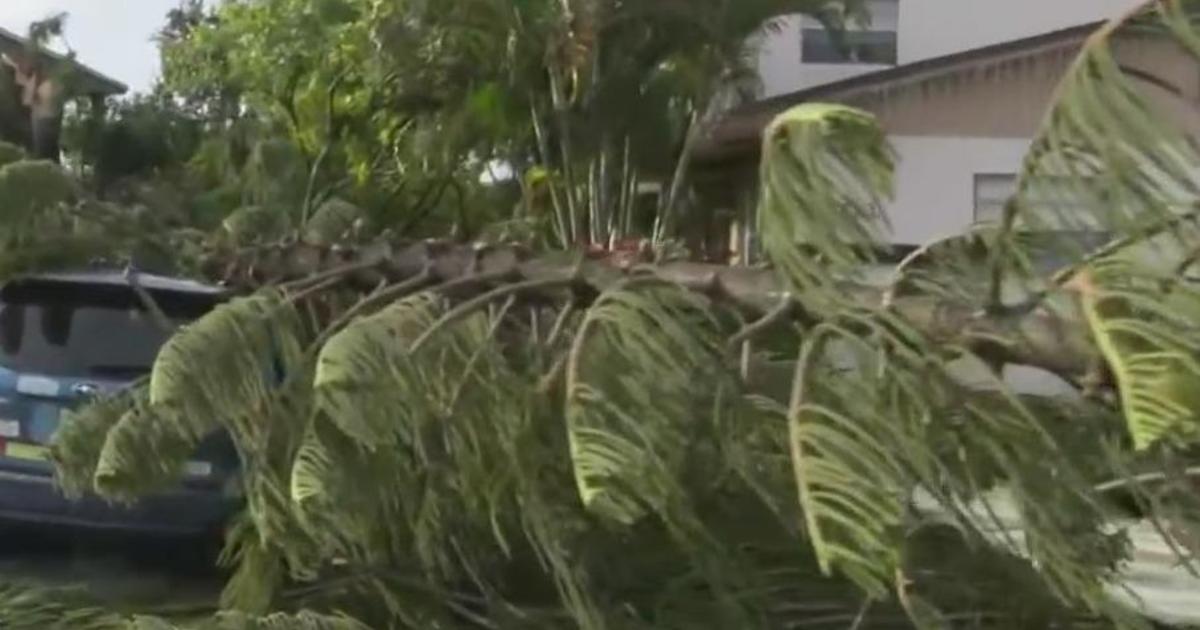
(83,83)
(960,85)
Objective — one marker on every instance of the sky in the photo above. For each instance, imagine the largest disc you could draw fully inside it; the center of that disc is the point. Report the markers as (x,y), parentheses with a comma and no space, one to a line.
(112,36)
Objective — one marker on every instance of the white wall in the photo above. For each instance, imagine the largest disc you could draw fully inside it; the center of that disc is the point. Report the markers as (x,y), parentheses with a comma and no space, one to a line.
(935,182)
(935,198)
(930,28)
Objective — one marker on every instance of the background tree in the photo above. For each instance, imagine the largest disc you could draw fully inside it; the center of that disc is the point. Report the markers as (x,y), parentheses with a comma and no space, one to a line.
(403,106)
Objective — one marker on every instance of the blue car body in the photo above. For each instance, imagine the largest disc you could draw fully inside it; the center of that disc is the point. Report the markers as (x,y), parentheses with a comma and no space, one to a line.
(68,337)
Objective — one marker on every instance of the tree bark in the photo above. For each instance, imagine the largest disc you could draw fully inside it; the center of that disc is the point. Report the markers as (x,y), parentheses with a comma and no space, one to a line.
(1054,341)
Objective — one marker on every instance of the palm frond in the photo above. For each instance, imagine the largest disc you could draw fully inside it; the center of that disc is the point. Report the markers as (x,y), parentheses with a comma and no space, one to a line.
(1148,341)
(304,620)
(1116,155)
(223,371)
(78,443)
(639,373)
(145,451)
(228,364)
(29,607)
(358,366)
(850,483)
(825,171)
(258,573)
(449,432)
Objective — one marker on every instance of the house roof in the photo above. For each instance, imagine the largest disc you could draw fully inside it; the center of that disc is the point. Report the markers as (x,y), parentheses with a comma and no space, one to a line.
(93,82)
(740,132)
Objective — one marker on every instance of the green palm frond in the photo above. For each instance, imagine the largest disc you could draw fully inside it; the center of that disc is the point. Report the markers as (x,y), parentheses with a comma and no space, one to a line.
(876,417)
(281,621)
(229,363)
(464,460)
(253,588)
(1115,155)
(1146,336)
(358,366)
(851,484)
(639,374)
(32,607)
(825,171)
(78,443)
(124,472)
(28,607)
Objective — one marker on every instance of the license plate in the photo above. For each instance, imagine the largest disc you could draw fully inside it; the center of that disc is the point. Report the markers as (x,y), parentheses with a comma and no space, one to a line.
(37,386)
(198,469)
(10,429)
(30,452)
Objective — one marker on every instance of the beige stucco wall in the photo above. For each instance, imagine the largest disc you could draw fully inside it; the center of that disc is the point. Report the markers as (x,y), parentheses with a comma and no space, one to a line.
(927,29)
(1003,100)
(1009,98)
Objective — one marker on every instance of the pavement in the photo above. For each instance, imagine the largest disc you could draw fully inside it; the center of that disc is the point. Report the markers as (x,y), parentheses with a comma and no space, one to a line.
(128,572)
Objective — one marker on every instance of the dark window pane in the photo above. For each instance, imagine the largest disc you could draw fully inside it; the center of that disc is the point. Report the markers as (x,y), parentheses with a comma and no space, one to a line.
(84,331)
(866,47)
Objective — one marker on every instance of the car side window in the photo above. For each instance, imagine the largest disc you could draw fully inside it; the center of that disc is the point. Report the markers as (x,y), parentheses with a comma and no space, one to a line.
(12,327)
(56,324)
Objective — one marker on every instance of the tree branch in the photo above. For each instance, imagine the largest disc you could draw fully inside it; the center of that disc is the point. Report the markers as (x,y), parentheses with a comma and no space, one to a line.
(787,306)
(156,313)
(472,305)
(1038,336)
(333,127)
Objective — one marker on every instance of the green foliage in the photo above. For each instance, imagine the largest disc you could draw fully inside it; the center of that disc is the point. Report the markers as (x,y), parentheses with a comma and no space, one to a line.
(390,103)
(28,607)
(228,363)
(1145,334)
(333,221)
(10,153)
(31,190)
(670,334)
(25,607)
(826,170)
(280,621)
(80,438)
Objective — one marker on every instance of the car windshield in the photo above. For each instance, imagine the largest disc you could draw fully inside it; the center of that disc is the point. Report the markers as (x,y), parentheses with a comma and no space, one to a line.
(86,330)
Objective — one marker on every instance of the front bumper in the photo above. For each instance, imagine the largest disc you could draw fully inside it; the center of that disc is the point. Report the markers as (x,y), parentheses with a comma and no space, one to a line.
(28,495)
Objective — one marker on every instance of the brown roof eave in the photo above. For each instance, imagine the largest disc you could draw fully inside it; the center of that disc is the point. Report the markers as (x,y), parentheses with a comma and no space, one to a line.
(94,82)
(739,134)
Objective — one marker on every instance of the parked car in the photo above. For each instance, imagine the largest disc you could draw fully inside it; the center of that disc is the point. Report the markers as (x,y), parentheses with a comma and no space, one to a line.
(67,337)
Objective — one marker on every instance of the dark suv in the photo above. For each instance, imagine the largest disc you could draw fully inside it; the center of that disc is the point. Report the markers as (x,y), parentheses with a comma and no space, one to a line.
(68,337)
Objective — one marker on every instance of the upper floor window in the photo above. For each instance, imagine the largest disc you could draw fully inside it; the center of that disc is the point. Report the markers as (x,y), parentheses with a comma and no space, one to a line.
(874,42)
(1049,194)
(992,192)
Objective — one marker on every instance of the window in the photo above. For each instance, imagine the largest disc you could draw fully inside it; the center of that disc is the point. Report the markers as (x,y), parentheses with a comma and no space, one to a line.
(871,43)
(1050,196)
(84,332)
(992,191)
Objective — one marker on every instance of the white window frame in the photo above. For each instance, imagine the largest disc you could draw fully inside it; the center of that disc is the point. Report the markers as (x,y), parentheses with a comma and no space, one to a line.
(883,29)
(994,205)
